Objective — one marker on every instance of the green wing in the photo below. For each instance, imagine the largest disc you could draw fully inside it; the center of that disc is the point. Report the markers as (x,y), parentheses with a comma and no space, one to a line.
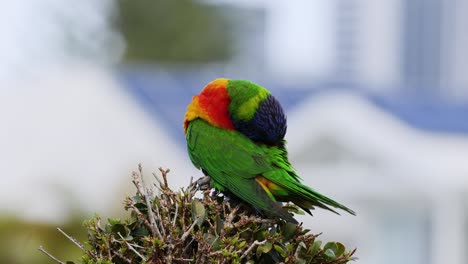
(233,161)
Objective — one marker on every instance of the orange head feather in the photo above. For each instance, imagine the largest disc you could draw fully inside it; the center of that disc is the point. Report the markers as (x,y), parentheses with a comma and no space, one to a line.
(211,105)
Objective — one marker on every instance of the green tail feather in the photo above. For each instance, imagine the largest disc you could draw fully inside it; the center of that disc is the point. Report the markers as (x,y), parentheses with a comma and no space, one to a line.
(302,195)
(308,198)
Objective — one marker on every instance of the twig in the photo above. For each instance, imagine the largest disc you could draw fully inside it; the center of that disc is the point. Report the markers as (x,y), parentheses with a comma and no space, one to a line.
(50,255)
(163,231)
(137,182)
(191,184)
(345,257)
(254,219)
(183,259)
(140,215)
(154,227)
(131,247)
(231,215)
(219,252)
(122,256)
(164,174)
(78,244)
(158,180)
(175,215)
(185,235)
(256,243)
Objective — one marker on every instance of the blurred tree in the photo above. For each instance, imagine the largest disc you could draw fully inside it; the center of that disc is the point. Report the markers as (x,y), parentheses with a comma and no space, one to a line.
(164,31)
(20,240)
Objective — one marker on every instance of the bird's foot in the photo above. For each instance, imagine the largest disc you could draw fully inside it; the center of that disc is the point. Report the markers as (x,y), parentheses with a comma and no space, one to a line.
(204,183)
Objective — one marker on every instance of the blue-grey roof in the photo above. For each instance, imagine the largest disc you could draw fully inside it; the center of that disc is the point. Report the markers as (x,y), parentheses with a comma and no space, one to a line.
(430,114)
(165,95)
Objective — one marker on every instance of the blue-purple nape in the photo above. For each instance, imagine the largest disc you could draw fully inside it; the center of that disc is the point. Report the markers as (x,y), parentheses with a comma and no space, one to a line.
(267,126)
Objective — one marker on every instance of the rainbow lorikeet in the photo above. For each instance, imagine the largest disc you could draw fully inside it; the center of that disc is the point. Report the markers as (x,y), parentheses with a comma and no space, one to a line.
(235,133)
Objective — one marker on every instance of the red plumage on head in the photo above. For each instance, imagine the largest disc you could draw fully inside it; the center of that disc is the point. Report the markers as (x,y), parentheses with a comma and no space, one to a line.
(212,105)
(214,99)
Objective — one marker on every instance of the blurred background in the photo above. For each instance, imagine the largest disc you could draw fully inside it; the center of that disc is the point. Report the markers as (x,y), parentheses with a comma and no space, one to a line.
(376,94)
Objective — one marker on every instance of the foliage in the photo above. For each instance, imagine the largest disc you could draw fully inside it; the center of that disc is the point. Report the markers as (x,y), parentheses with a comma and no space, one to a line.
(189,226)
(183,31)
(20,238)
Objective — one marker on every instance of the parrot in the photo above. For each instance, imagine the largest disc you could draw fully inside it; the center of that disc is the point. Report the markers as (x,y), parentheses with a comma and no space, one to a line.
(235,133)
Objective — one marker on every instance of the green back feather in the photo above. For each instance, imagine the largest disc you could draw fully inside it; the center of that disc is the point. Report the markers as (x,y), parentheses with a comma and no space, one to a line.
(233,161)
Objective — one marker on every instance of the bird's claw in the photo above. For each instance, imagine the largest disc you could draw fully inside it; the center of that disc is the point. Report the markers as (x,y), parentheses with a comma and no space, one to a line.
(204,183)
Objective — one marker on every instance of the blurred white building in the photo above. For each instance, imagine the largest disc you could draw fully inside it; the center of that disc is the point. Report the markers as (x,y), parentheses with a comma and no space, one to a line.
(71,138)
(408,186)
(385,46)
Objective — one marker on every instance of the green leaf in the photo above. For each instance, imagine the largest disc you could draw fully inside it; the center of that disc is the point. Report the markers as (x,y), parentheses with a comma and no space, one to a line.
(289,247)
(140,232)
(288,231)
(198,211)
(119,228)
(330,245)
(241,244)
(302,248)
(304,231)
(259,251)
(234,239)
(340,249)
(260,234)
(137,198)
(330,254)
(280,250)
(315,247)
(211,239)
(265,248)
